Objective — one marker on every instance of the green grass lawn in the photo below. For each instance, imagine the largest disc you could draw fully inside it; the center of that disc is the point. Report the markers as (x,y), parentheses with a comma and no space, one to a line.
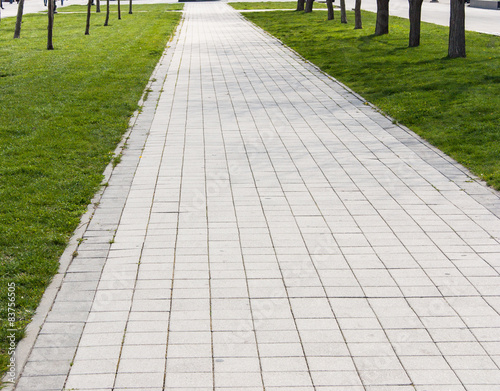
(62,114)
(113,7)
(454,104)
(269,5)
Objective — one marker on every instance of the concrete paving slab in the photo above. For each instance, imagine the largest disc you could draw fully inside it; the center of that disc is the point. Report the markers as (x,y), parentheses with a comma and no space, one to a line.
(277,233)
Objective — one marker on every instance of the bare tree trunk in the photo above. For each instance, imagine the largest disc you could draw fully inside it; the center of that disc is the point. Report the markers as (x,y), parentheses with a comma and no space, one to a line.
(357,15)
(343,15)
(19,19)
(415,17)
(382,26)
(106,22)
(329,4)
(119,11)
(309,6)
(98,6)
(300,5)
(89,11)
(50,25)
(456,43)
(130,7)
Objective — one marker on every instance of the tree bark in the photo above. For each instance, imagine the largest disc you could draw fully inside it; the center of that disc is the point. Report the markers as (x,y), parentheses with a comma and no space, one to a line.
(107,13)
(98,6)
(19,19)
(343,15)
(89,11)
(309,6)
(456,43)
(119,11)
(50,26)
(329,4)
(382,26)
(300,5)
(415,18)
(130,7)
(357,15)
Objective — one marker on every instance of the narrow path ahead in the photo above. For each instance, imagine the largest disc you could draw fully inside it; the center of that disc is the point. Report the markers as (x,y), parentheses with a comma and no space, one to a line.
(268,230)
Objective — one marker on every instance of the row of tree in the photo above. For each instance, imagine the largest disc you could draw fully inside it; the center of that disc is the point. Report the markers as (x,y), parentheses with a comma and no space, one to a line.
(456,42)
(51,8)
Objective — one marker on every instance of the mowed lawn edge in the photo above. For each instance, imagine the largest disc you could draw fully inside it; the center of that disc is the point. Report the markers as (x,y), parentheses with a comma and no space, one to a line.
(452,103)
(63,112)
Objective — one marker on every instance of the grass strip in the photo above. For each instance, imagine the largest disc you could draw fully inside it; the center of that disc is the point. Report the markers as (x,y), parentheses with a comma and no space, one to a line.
(113,7)
(62,114)
(454,104)
(270,5)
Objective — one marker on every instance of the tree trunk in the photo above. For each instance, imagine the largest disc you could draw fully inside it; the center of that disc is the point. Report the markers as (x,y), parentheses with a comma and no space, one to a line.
(107,13)
(357,15)
(19,19)
(50,25)
(98,6)
(130,7)
(300,5)
(415,17)
(119,11)
(343,15)
(382,26)
(456,43)
(329,4)
(309,6)
(89,11)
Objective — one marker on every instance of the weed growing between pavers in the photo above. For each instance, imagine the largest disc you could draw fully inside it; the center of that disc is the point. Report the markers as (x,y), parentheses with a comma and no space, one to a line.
(62,114)
(454,104)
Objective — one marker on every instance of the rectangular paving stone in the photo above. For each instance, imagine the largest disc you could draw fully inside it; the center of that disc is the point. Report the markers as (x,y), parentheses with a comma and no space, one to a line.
(273,230)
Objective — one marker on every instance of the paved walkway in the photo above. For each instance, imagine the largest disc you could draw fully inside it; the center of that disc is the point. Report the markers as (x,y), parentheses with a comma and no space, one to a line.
(268,230)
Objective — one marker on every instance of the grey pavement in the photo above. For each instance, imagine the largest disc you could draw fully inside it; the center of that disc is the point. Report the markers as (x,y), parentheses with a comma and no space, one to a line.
(268,229)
